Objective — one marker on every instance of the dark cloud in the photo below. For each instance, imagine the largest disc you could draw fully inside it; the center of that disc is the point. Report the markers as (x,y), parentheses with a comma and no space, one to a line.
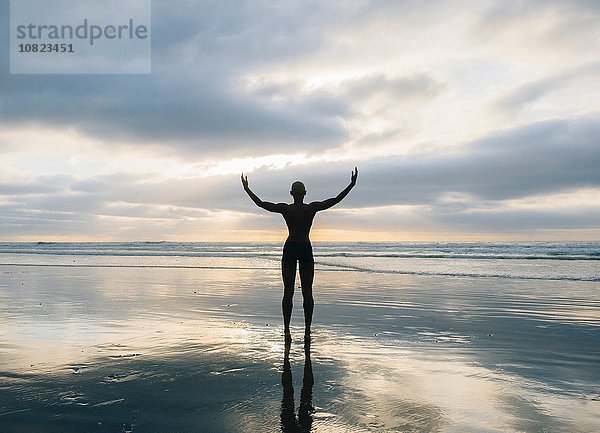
(200,117)
(8,189)
(580,217)
(18,220)
(475,219)
(537,159)
(195,102)
(346,99)
(192,101)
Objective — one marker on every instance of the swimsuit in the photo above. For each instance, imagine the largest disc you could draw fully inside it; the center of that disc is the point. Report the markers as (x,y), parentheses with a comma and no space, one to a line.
(297,251)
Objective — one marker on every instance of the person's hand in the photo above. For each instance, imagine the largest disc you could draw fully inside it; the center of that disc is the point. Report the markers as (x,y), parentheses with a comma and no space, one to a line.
(245,181)
(354,176)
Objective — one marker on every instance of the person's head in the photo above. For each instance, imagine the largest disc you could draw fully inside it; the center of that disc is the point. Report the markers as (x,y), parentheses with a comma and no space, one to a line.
(298,190)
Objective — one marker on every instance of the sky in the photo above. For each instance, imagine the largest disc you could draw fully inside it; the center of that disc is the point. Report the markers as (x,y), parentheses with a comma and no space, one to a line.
(468,121)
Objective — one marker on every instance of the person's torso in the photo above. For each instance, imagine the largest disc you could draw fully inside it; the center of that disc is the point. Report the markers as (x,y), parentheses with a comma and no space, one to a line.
(299,219)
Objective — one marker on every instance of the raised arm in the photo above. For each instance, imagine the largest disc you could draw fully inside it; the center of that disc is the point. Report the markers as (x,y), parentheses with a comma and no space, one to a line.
(271,207)
(326,204)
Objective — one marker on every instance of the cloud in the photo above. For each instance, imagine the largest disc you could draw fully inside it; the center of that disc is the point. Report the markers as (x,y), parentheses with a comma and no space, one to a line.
(530,92)
(545,32)
(190,116)
(394,89)
(401,89)
(195,102)
(18,189)
(535,159)
(474,189)
(349,99)
(489,218)
(191,102)
(503,220)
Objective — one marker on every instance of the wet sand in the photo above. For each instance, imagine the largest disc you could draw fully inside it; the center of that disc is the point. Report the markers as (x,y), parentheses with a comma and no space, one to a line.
(86,349)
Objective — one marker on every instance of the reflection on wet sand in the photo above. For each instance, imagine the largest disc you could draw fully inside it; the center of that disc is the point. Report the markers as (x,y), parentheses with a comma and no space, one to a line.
(289,421)
(201,350)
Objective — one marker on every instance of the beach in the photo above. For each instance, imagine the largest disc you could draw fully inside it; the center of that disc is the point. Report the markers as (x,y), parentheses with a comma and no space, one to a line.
(156,337)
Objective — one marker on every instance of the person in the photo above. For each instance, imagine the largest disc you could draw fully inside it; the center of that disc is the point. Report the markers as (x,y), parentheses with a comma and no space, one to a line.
(297,248)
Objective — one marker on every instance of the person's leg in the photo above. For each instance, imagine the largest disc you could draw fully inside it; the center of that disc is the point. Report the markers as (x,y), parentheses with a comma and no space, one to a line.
(307,274)
(288,273)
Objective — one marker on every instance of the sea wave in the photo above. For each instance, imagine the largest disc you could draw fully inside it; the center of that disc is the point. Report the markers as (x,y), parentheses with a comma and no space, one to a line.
(465,274)
(394,250)
(329,267)
(571,261)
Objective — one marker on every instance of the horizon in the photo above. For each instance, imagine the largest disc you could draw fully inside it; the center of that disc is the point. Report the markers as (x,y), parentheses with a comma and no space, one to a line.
(279,242)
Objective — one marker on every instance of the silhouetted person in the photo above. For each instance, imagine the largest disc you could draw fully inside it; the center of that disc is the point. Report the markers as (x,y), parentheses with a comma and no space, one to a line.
(298,217)
(289,422)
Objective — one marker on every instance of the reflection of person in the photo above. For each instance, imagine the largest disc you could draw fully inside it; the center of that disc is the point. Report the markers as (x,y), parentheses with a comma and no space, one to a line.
(289,421)
(298,217)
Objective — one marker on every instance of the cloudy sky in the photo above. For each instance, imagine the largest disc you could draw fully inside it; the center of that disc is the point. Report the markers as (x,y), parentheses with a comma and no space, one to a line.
(468,120)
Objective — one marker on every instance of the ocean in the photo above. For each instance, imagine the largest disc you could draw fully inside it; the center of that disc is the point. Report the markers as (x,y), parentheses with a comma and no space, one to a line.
(576,261)
(407,337)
